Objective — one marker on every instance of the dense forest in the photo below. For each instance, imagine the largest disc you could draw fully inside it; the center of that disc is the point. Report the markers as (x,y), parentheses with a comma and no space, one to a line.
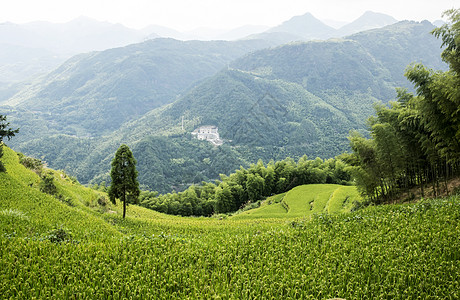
(246,187)
(416,140)
(413,142)
(288,101)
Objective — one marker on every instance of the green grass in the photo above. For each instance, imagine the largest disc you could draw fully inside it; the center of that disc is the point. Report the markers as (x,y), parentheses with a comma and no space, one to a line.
(42,212)
(305,200)
(320,198)
(408,251)
(272,207)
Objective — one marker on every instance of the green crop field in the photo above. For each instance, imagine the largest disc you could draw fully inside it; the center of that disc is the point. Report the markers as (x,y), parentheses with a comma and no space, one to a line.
(305,244)
(306,200)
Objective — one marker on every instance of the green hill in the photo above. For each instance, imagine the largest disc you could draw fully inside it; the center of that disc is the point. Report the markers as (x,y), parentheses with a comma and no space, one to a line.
(93,94)
(296,99)
(306,200)
(27,211)
(395,251)
(372,60)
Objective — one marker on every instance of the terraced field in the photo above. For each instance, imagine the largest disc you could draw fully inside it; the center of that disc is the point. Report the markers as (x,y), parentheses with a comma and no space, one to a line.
(79,247)
(306,200)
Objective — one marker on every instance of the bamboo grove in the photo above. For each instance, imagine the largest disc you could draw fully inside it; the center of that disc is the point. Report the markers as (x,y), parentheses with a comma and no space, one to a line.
(416,140)
(247,186)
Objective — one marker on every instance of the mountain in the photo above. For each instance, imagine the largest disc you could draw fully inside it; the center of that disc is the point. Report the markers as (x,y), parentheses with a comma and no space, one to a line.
(93,94)
(291,100)
(369,20)
(401,44)
(324,65)
(439,23)
(276,38)
(306,26)
(36,48)
(154,31)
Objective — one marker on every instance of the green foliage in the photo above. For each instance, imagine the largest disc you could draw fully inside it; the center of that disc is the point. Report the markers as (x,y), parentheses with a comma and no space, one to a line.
(288,101)
(415,141)
(47,184)
(5,132)
(59,235)
(31,213)
(392,252)
(378,252)
(246,186)
(31,163)
(102,90)
(124,186)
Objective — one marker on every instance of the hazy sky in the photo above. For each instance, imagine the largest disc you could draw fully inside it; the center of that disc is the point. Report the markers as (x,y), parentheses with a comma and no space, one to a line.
(190,14)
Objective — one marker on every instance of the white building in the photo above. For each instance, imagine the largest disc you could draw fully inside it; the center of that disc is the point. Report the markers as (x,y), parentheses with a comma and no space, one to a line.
(209,133)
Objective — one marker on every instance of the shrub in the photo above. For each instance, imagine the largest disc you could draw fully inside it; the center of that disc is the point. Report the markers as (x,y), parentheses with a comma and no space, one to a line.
(31,163)
(47,184)
(59,235)
(102,201)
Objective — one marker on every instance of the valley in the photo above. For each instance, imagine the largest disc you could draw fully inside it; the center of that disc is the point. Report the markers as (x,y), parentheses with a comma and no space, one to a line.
(298,161)
(272,103)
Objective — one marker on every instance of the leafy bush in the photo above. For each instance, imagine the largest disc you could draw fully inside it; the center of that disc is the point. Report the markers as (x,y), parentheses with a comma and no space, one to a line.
(34,164)
(102,201)
(47,184)
(59,235)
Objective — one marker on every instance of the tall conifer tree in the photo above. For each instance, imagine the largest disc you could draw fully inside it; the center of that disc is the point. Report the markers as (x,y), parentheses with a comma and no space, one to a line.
(125,186)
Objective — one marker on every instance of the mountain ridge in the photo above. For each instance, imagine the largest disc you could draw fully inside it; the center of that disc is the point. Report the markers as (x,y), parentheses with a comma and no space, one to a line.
(307,97)
(122,83)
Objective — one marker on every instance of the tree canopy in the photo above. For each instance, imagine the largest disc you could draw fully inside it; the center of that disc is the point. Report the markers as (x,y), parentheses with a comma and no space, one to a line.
(417,139)
(5,132)
(247,186)
(125,186)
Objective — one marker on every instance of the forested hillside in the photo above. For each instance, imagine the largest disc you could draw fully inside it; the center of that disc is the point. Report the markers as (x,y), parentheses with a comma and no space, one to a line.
(291,100)
(376,61)
(415,141)
(93,94)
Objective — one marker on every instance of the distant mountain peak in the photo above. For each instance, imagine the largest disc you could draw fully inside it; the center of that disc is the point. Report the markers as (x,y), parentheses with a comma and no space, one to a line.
(368,20)
(306,26)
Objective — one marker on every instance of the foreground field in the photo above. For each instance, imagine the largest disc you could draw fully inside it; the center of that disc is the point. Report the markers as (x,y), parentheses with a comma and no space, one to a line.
(406,251)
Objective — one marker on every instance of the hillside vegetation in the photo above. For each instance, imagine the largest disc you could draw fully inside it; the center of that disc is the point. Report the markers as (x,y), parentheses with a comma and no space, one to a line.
(274,103)
(92,94)
(415,141)
(50,249)
(306,201)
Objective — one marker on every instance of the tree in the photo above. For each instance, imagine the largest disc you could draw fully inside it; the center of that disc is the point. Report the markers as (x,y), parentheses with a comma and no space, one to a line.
(125,186)
(417,139)
(5,132)
(224,199)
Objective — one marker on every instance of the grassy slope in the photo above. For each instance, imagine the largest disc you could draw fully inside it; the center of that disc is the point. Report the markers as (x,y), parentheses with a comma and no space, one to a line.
(388,252)
(306,200)
(28,212)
